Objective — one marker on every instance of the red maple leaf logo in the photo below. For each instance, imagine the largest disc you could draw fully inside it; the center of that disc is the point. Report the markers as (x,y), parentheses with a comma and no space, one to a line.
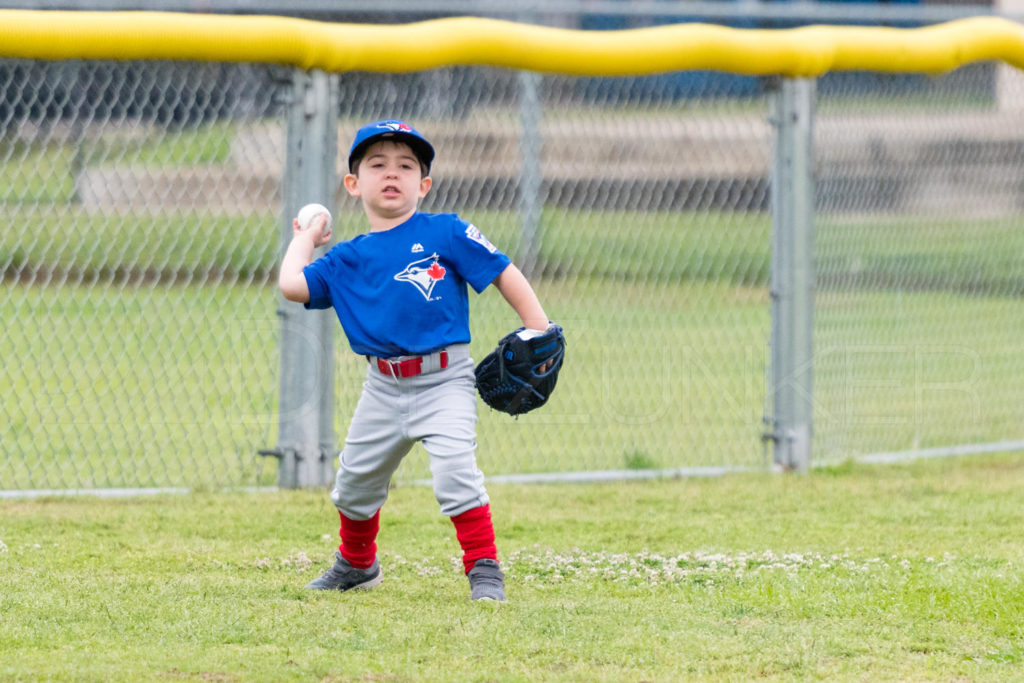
(436,271)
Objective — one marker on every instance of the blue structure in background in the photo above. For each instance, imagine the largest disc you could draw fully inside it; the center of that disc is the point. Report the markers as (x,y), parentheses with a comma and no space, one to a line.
(670,86)
(698,84)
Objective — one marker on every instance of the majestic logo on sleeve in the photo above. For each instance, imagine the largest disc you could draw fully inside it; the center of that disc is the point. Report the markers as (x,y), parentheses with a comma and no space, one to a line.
(423,274)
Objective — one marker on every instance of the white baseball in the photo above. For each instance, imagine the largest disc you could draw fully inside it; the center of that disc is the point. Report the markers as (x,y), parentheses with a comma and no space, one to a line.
(311,211)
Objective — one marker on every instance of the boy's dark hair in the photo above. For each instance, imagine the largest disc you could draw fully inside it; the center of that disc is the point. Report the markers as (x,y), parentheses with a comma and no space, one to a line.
(396,131)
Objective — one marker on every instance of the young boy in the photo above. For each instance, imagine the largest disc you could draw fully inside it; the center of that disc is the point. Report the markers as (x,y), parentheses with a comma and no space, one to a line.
(400,294)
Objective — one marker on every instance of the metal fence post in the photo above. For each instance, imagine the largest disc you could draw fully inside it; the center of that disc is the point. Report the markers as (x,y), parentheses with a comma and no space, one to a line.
(531,201)
(306,441)
(792,288)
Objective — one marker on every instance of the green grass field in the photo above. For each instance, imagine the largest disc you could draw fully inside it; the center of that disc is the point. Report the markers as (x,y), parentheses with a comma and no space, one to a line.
(193,370)
(141,350)
(148,353)
(909,572)
(174,387)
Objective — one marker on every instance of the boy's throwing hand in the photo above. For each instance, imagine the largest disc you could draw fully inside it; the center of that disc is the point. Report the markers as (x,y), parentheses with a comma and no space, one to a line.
(317,229)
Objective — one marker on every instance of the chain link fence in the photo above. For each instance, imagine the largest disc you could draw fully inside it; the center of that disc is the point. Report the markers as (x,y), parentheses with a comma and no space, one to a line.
(143,210)
(920,263)
(140,204)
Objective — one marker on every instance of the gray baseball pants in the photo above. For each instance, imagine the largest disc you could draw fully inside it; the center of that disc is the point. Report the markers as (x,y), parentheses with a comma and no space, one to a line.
(436,408)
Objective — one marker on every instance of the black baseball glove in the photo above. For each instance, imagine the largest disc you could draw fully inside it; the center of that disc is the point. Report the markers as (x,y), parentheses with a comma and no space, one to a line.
(521,373)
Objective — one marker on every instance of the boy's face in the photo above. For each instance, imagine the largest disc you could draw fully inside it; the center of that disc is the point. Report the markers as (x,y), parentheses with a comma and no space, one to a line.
(388,180)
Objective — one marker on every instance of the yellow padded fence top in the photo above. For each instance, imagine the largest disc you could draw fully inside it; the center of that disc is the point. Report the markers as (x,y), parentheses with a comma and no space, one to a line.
(335,47)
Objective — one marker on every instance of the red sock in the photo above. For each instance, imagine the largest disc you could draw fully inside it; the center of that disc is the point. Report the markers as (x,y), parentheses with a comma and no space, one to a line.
(358,540)
(475,532)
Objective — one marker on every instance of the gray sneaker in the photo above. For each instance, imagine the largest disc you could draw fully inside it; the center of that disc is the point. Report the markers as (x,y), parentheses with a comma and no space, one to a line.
(343,576)
(486,581)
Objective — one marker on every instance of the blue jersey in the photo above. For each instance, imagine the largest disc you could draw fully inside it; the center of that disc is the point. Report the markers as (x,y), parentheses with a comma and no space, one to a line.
(403,291)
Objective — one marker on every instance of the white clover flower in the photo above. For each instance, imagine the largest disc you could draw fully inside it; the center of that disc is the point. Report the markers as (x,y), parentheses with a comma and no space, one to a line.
(650,568)
(301,560)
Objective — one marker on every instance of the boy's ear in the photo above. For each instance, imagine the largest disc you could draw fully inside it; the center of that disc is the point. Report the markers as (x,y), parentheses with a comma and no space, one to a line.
(425,185)
(352,184)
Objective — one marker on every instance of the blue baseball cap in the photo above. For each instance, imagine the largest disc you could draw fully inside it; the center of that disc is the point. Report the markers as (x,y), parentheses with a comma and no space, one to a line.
(390,129)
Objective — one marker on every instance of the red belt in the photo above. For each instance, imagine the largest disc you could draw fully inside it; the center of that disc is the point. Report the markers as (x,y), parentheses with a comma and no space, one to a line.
(410,367)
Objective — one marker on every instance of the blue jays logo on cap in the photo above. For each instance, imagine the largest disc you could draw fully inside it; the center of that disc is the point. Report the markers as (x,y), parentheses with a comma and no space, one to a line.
(390,129)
